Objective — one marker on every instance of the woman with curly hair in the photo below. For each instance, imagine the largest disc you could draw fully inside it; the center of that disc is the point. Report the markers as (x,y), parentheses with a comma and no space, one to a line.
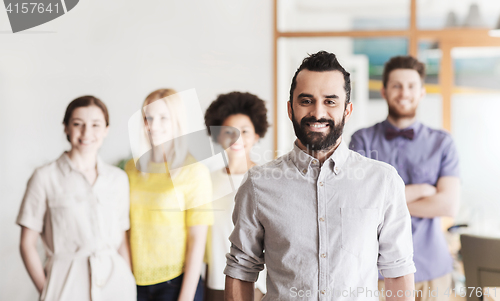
(236,121)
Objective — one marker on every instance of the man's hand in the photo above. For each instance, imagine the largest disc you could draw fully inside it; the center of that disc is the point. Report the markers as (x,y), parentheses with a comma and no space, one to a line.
(238,290)
(414,192)
(444,202)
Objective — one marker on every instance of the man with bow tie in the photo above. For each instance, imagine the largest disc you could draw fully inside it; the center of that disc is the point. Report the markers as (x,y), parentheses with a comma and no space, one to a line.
(427,161)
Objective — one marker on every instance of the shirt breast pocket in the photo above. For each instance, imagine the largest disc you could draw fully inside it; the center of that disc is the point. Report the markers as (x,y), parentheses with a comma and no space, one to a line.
(359,229)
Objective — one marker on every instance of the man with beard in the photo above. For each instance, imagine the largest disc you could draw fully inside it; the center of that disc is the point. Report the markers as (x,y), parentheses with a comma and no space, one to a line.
(322,218)
(427,161)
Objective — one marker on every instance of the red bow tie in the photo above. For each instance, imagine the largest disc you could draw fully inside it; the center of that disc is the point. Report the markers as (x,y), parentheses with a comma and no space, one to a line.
(391,133)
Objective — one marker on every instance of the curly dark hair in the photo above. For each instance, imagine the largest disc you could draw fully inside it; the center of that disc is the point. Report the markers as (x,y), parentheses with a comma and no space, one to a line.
(403,62)
(236,103)
(323,61)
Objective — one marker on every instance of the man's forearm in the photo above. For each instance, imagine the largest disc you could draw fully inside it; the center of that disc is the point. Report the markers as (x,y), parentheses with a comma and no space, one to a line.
(414,192)
(402,288)
(444,202)
(238,290)
(439,204)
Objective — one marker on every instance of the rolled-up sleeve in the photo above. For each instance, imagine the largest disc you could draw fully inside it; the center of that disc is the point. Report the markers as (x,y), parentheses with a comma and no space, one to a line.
(395,238)
(246,258)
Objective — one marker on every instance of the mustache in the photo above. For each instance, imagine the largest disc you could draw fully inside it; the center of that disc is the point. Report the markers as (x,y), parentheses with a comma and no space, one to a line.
(312,119)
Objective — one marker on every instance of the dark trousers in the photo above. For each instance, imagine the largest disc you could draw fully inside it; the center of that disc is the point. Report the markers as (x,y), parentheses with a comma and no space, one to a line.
(166,291)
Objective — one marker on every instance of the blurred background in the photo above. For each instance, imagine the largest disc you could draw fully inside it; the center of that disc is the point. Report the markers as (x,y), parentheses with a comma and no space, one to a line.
(120,51)
(455,39)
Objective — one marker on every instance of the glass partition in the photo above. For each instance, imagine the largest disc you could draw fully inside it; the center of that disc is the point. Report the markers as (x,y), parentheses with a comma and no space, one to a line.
(456,14)
(327,15)
(475,127)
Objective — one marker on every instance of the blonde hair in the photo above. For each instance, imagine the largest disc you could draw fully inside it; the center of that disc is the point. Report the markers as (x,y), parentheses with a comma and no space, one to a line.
(177,156)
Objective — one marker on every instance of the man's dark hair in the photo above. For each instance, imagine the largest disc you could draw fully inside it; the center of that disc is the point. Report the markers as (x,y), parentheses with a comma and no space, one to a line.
(323,61)
(236,103)
(403,62)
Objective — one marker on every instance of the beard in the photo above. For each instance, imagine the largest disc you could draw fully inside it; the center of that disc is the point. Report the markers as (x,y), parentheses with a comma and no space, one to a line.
(397,113)
(317,141)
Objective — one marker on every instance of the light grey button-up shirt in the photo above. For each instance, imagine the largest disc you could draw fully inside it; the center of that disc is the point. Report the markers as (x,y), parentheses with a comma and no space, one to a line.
(323,231)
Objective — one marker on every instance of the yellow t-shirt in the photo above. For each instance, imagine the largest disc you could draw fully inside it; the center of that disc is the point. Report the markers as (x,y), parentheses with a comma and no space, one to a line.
(158,223)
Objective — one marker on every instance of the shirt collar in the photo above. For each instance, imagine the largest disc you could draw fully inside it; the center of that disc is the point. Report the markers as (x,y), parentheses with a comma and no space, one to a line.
(416,126)
(67,166)
(303,160)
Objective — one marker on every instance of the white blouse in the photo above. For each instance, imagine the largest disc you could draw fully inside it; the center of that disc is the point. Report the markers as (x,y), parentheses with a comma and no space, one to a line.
(218,238)
(82,226)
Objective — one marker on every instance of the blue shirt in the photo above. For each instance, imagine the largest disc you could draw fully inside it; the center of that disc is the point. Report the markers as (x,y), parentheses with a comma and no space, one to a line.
(430,155)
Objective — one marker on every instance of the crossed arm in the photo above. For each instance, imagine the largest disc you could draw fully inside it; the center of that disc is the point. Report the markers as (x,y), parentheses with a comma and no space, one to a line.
(427,201)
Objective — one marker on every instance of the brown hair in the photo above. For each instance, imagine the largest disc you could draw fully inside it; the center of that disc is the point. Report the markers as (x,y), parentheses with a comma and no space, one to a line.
(403,62)
(85,101)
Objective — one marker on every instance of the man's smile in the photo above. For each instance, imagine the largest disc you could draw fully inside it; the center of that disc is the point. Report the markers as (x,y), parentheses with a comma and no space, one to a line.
(318,126)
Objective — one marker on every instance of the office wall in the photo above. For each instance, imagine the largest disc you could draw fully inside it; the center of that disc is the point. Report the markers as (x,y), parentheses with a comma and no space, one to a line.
(119,51)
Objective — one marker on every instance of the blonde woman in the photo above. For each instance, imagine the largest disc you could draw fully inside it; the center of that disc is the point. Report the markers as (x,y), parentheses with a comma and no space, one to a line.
(79,206)
(170,196)
(236,121)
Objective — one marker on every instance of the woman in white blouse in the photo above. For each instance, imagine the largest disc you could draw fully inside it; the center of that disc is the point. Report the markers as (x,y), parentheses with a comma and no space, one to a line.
(79,205)
(236,121)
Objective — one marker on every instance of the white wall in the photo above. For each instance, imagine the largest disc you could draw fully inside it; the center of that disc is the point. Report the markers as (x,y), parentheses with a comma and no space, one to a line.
(119,51)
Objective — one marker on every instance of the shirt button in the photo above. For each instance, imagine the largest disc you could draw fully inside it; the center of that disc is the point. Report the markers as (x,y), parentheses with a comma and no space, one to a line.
(336,169)
(323,292)
(321,219)
(304,170)
(323,255)
(315,161)
(320,183)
